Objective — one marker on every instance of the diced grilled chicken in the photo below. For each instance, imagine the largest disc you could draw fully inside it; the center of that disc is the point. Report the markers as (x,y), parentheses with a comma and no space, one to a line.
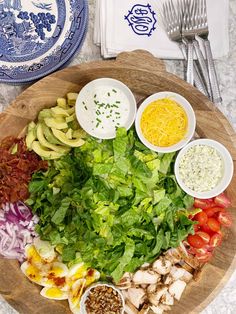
(187,277)
(177,273)
(125,282)
(130,308)
(157,309)
(155,296)
(145,266)
(176,289)
(145,277)
(136,296)
(189,259)
(151,289)
(124,293)
(173,256)
(167,299)
(197,273)
(145,309)
(162,266)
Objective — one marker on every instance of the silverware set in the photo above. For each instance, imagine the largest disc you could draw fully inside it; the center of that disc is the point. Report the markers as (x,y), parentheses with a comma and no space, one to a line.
(185,22)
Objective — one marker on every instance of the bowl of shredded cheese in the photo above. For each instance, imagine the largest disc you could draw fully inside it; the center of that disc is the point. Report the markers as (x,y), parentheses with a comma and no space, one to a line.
(165,122)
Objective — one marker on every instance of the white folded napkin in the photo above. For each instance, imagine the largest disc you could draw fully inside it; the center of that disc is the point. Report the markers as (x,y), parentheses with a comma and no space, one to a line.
(126,25)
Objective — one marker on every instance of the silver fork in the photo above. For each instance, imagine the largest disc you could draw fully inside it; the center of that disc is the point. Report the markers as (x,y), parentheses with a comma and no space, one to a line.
(189,13)
(172,21)
(202,31)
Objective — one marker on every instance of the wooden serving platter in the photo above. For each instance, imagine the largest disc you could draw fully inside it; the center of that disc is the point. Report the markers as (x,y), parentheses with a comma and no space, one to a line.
(145,75)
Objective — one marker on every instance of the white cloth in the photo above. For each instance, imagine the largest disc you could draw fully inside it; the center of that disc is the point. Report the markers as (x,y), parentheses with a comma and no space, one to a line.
(113,32)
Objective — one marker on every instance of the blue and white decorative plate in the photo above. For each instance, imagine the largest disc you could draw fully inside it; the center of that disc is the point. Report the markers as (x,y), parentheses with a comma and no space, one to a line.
(38,37)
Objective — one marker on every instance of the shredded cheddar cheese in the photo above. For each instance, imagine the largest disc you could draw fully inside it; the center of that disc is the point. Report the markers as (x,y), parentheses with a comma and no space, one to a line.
(164,122)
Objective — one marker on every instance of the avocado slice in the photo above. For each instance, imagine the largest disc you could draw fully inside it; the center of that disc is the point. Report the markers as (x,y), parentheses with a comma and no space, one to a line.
(43,152)
(61,102)
(49,136)
(58,124)
(42,140)
(31,135)
(59,111)
(45,113)
(69,134)
(71,98)
(62,137)
(70,118)
(80,133)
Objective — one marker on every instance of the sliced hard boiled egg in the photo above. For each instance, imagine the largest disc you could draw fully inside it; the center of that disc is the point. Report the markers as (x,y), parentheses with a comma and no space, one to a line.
(32,255)
(77,271)
(45,250)
(56,276)
(32,273)
(54,293)
(76,292)
(91,276)
(59,269)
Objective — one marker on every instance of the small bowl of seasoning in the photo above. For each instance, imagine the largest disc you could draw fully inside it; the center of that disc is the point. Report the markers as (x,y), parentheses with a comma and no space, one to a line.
(204,168)
(103,105)
(165,122)
(102,298)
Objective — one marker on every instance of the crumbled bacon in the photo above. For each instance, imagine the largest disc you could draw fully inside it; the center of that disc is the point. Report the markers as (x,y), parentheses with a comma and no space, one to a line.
(16,169)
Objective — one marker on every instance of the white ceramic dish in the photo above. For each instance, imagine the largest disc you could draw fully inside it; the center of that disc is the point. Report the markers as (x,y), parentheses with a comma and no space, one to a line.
(106,100)
(228,169)
(86,293)
(191,121)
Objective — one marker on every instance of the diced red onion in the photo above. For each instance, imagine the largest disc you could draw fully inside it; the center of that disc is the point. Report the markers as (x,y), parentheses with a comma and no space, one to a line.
(16,230)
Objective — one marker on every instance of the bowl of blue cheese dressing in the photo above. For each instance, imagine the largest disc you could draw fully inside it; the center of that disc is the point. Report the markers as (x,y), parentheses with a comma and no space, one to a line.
(204,168)
(103,105)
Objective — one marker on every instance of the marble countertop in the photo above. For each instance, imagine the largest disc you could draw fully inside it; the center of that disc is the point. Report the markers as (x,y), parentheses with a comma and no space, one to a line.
(225,302)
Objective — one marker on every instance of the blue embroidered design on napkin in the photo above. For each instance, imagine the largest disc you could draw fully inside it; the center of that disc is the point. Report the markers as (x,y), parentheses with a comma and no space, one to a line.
(142,19)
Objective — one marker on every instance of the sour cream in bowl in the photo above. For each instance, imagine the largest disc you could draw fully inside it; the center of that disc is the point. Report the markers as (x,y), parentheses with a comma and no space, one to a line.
(103,105)
(204,168)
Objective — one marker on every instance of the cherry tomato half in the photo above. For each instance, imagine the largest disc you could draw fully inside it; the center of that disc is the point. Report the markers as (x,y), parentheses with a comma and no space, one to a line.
(215,240)
(203,250)
(204,258)
(201,218)
(206,229)
(196,228)
(203,204)
(212,211)
(213,224)
(205,236)
(225,219)
(195,241)
(222,200)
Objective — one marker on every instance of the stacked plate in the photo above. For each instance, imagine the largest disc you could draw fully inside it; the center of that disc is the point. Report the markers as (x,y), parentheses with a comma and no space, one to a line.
(38,37)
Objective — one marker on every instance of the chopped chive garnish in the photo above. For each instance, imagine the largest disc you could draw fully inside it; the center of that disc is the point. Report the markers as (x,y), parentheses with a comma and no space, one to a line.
(85,107)
(117,112)
(111,111)
(96,102)
(97,124)
(118,102)
(95,96)
(98,112)
(99,120)
(115,106)
(114,91)
(107,117)
(83,102)
(109,94)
